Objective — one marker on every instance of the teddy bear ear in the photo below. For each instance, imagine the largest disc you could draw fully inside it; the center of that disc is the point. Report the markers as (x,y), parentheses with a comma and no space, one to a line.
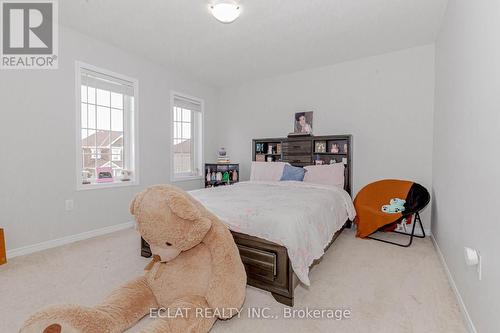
(134,205)
(181,206)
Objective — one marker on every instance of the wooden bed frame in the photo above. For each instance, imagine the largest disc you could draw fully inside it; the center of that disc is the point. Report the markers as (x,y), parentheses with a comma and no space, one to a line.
(267,264)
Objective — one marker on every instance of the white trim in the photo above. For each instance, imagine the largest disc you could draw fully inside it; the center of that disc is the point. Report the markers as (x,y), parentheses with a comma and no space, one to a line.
(98,186)
(174,178)
(67,240)
(107,72)
(463,309)
(134,128)
(186,178)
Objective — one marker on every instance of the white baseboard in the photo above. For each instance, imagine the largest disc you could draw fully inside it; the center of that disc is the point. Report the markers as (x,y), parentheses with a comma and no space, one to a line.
(20,251)
(470,325)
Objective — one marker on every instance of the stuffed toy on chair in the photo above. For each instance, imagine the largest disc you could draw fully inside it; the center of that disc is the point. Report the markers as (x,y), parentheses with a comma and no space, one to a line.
(195,277)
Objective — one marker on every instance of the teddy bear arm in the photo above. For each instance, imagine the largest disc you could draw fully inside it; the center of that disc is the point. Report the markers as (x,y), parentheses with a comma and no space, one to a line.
(189,314)
(226,295)
(227,286)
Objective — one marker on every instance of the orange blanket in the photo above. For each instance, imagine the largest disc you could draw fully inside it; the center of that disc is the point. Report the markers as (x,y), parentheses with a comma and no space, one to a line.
(369,201)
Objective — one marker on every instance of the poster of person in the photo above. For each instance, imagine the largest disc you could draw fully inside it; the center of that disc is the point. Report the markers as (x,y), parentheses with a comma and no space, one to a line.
(303,122)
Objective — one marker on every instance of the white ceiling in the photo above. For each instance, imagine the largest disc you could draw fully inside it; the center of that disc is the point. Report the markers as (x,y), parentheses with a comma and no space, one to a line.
(271,37)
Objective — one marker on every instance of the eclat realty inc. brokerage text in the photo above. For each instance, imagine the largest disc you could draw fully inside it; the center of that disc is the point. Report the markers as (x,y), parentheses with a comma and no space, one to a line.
(254,313)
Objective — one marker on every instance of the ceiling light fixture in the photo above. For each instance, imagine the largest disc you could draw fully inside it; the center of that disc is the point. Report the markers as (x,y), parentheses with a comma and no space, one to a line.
(226,11)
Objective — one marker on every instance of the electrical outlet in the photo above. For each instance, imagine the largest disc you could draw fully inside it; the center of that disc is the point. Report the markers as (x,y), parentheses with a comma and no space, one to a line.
(69,205)
(480,268)
(473,258)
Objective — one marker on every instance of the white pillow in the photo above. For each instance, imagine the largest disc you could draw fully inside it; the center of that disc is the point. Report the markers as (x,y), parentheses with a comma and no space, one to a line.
(267,171)
(330,174)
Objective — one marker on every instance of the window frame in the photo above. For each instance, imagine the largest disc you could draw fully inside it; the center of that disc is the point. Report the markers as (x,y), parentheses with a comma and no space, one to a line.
(132,134)
(174,177)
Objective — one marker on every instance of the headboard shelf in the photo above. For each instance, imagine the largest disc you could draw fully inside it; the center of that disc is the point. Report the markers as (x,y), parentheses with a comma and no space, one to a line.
(340,154)
(307,150)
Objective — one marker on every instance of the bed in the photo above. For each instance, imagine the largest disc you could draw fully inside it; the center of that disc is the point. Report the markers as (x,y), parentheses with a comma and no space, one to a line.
(283,228)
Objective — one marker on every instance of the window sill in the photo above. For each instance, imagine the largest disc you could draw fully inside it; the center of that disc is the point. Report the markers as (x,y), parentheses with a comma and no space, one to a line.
(99,186)
(185,178)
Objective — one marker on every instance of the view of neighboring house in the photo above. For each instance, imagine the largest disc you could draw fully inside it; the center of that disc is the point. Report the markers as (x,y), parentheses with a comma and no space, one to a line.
(103,149)
(182,156)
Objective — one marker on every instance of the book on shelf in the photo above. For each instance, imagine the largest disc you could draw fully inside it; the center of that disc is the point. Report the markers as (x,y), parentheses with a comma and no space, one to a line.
(223,160)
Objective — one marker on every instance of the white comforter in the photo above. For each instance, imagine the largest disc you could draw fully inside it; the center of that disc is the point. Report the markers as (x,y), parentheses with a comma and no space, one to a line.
(300,216)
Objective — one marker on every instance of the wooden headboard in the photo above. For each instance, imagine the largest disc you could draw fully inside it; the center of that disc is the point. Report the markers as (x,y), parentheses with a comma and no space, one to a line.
(305,150)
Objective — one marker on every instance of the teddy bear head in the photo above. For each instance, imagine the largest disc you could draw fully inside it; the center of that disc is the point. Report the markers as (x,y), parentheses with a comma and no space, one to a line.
(168,220)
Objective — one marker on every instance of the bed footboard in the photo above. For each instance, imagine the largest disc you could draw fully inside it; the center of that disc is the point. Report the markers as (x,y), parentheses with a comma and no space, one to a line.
(267,265)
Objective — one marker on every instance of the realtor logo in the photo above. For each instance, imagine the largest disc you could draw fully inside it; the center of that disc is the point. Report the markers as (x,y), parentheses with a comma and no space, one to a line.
(29,34)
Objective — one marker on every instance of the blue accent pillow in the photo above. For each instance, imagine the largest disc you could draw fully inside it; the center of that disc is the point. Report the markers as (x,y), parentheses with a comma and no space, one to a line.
(293,173)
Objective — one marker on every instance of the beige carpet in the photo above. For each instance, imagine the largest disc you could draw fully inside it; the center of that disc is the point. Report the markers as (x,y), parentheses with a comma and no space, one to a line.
(387,289)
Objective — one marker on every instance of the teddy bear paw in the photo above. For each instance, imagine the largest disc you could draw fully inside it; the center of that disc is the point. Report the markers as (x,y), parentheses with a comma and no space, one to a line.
(47,326)
(65,319)
(54,328)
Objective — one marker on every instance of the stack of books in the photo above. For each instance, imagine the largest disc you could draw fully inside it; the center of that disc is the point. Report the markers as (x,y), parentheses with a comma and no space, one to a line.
(223,159)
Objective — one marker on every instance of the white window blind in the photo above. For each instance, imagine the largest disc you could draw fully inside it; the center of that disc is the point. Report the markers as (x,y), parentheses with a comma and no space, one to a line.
(106,82)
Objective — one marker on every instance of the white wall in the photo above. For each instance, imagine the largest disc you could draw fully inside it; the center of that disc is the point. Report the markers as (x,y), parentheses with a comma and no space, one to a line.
(466,152)
(37,142)
(385,102)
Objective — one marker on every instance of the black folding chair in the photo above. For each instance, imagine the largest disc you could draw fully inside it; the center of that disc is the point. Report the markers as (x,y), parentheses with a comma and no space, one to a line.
(418,198)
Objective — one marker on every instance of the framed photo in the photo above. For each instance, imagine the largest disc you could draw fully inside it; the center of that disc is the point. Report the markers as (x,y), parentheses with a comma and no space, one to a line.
(260,157)
(335,148)
(303,122)
(345,148)
(320,146)
(104,174)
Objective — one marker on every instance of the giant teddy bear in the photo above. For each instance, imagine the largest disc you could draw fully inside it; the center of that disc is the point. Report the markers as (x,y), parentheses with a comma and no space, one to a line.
(195,277)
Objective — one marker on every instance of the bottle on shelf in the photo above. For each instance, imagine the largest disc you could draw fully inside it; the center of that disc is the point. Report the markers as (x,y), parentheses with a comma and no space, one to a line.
(208,176)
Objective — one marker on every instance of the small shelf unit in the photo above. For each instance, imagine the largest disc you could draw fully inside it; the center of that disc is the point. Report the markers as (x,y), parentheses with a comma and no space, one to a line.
(221,174)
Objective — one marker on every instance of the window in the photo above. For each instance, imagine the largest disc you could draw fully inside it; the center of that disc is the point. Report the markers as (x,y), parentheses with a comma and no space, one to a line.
(95,154)
(116,154)
(186,137)
(106,116)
